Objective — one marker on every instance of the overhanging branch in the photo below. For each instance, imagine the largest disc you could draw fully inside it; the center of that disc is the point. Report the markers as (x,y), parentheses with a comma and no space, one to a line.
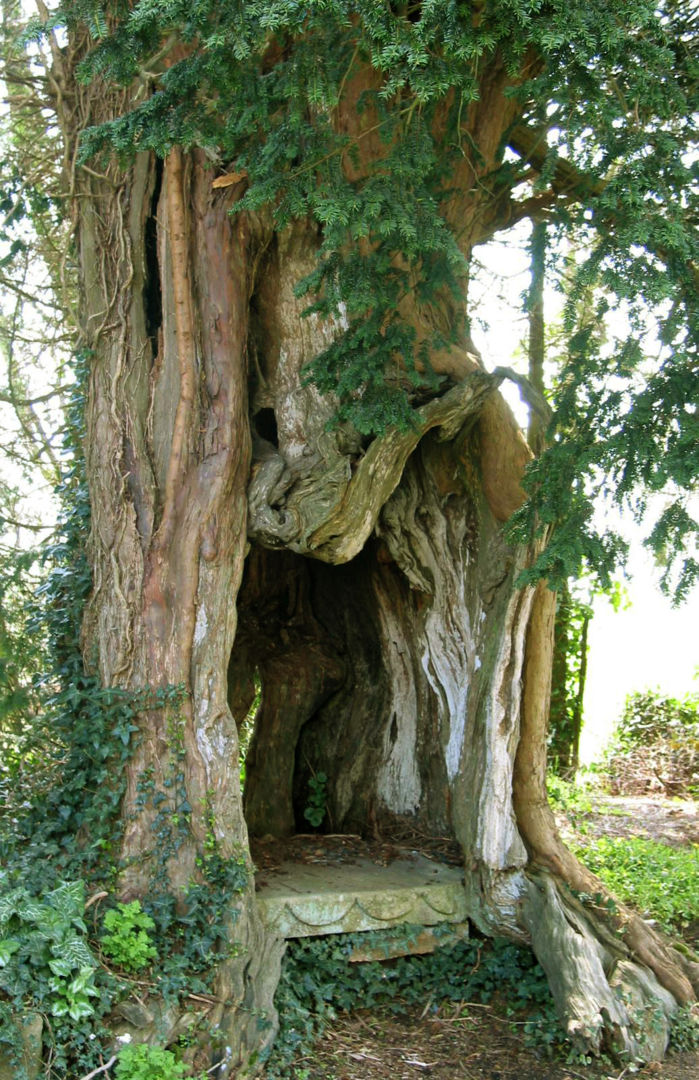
(568,184)
(566,180)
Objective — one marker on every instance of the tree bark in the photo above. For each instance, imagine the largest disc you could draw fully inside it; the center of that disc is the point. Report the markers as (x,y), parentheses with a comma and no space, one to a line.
(166,279)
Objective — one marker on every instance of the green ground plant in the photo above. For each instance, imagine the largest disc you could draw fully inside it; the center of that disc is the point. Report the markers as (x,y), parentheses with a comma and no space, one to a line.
(660,881)
(127,941)
(315,809)
(684,1033)
(143,1062)
(44,954)
(318,981)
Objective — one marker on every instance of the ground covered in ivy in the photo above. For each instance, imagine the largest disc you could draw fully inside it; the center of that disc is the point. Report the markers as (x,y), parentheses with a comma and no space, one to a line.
(474,1039)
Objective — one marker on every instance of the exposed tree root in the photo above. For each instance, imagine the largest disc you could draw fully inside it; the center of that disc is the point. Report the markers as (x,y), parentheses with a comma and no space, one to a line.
(607,1000)
(616,982)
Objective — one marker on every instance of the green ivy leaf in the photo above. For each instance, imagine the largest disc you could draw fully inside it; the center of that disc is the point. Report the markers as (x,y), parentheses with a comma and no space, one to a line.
(8,946)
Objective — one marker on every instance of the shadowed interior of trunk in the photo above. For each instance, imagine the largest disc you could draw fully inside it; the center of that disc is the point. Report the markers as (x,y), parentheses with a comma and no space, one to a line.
(360,678)
(313,635)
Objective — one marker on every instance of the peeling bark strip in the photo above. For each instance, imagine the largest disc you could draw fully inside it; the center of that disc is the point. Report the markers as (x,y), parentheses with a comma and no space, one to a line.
(186,355)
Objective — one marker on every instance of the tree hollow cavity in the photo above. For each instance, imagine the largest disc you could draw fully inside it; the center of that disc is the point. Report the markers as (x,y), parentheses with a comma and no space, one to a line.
(371,673)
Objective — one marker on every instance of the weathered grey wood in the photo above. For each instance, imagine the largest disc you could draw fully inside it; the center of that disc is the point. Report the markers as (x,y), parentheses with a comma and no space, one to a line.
(605,997)
(325,509)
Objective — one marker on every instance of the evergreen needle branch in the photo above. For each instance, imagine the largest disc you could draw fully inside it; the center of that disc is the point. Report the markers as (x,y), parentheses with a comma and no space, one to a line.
(573,183)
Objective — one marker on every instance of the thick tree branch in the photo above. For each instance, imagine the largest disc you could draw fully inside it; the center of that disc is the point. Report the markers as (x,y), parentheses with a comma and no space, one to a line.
(530,143)
(530,394)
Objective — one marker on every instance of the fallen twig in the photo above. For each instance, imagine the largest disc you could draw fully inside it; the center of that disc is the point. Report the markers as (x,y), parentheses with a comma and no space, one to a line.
(101,1069)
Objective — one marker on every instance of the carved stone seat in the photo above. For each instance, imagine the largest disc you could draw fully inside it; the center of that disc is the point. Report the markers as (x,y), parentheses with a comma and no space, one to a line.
(308,899)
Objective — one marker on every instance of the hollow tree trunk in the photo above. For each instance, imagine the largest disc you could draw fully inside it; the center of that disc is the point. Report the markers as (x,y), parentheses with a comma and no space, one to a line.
(378,607)
(398,657)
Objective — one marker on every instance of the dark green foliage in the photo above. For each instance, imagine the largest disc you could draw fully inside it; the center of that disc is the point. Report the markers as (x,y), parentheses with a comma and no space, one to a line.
(684,1031)
(655,746)
(317,980)
(315,808)
(617,88)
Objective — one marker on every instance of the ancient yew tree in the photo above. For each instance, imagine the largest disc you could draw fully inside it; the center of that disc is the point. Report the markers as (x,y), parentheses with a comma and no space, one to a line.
(302,475)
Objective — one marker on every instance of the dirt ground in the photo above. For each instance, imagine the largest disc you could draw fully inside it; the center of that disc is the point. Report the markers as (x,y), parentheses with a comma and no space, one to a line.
(470,1041)
(669,821)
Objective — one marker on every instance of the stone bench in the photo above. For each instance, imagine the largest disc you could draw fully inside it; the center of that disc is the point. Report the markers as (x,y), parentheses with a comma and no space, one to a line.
(308,899)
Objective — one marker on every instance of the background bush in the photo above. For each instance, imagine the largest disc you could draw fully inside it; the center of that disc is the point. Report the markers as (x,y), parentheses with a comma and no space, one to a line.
(655,746)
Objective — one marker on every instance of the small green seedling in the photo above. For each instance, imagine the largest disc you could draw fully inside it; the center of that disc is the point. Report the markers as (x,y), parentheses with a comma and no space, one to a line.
(128,942)
(314,812)
(143,1062)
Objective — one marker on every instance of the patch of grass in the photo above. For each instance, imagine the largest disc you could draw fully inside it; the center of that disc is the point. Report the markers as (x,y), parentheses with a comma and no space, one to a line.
(660,881)
(572,799)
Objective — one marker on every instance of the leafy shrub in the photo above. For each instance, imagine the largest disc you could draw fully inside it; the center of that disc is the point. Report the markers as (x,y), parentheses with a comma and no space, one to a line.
(662,882)
(143,1062)
(655,746)
(44,955)
(128,942)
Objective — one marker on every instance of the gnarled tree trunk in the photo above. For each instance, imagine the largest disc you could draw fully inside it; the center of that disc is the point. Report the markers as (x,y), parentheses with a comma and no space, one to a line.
(367,585)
